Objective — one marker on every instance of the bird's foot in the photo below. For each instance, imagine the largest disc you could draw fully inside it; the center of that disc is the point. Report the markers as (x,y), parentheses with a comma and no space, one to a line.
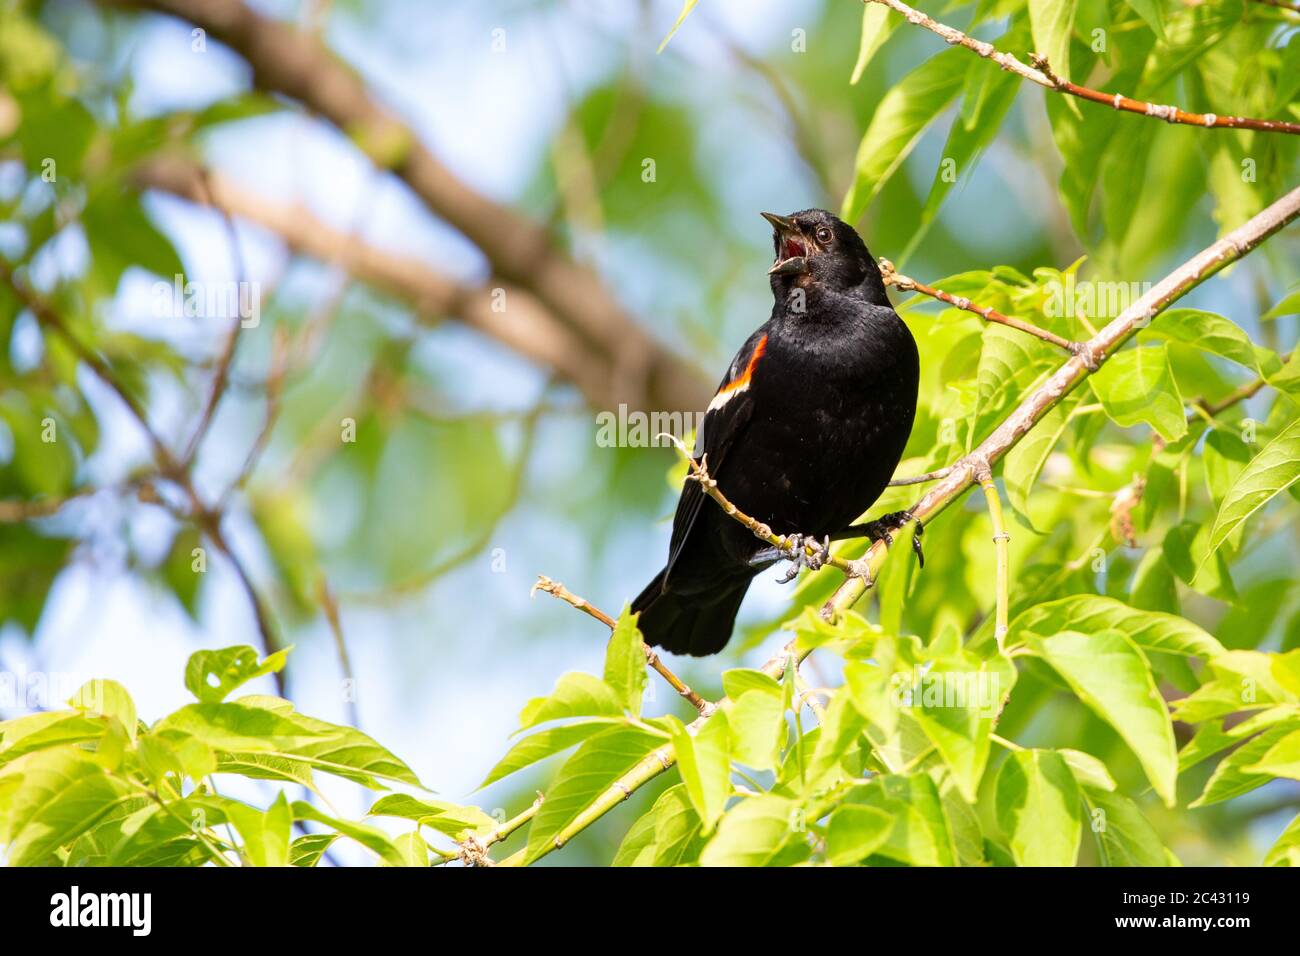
(882,529)
(796,547)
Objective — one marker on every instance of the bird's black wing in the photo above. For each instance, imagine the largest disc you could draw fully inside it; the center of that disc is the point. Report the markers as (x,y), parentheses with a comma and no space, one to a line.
(725,419)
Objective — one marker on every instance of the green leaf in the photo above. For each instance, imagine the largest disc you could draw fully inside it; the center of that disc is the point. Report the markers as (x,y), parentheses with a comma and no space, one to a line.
(1289,304)
(414,850)
(234,727)
(1153,12)
(1087,769)
(903,114)
(666,835)
(212,675)
(1184,548)
(877,25)
(987,96)
(1011,363)
(958,705)
(1109,674)
(575,695)
(1286,851)
(1280,760)
(1124,837)
(372,838)
(1268,474)
(49,798)
(764,830)
(1039,809)
(1210,333)
(265,833)
(1024,462)
(308,850)
(1051,22)
(854,833)
(921,835)
(46,730)
(1150,630)
(586,775)
(109,698)
(737,681)
(757,722)
(705,764)
(1231,778)
(543,744)
(625,662)
(449,818)
(1137,386)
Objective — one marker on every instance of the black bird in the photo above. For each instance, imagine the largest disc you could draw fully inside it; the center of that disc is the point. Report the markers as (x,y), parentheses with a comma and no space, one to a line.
(803,434)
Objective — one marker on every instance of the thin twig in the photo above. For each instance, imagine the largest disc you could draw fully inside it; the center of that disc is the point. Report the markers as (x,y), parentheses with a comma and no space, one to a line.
(989,314)
(331,608)
(1041,73)
(556,589)
(699,472)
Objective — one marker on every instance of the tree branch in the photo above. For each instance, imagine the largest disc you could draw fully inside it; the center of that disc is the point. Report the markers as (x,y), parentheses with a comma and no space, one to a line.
(522,324)
(1041,73)
(556,589)
(296,64)
(988,314)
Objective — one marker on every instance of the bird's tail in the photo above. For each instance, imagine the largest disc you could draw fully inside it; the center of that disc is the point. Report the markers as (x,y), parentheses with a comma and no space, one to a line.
(696,624)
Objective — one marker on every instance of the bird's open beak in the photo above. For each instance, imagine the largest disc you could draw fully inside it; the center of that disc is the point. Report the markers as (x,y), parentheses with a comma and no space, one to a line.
(791,258)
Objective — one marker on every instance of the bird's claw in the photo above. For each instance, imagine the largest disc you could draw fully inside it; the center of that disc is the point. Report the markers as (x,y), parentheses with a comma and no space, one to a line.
(883,527)
(796,546)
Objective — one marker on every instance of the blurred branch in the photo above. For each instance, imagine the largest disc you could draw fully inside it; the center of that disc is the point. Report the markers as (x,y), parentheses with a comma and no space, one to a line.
(331,608)
(294,63)
(274,387)
(1040,72)
(509,314)
(221,376)
(14,510)
(169,466)
(964,473)
(988,314)
(806,140)
(556,589)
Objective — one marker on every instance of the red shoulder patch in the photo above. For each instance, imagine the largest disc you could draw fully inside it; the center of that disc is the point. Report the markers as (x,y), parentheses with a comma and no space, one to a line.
(742,380)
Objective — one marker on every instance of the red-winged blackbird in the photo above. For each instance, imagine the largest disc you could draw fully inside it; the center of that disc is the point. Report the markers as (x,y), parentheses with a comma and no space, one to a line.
(803,434)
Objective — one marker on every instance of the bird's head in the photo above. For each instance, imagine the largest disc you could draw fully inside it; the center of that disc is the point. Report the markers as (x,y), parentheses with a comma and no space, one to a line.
(814,247)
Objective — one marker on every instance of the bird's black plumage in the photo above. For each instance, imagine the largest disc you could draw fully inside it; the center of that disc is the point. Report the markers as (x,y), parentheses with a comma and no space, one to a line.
(804,432)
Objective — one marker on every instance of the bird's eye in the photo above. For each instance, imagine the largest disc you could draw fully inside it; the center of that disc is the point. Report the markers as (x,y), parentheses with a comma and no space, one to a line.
(823,235)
